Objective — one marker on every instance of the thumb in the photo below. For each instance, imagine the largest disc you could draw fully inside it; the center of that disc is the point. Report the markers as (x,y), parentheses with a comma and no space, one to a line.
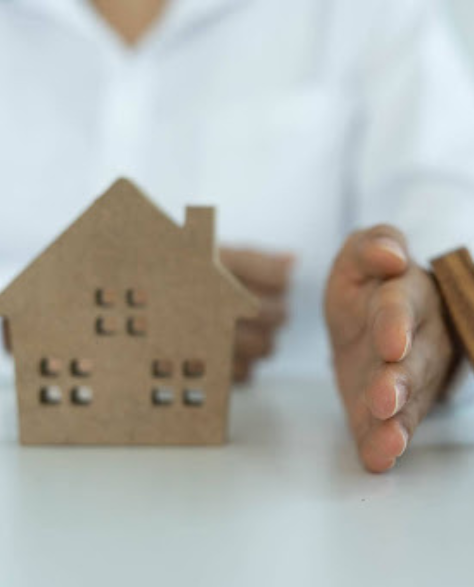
(380,252)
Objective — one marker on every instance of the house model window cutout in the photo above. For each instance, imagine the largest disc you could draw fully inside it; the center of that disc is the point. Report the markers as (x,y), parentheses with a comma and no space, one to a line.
(123,329)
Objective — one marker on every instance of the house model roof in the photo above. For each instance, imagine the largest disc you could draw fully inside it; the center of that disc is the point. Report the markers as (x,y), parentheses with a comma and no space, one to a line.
(125,220)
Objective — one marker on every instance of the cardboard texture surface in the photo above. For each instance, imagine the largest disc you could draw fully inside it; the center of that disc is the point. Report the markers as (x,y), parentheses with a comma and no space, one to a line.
(123,329)
(454,273)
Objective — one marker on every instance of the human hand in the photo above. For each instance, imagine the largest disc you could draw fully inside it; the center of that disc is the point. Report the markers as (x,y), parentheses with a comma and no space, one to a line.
(268,277)
(392,349)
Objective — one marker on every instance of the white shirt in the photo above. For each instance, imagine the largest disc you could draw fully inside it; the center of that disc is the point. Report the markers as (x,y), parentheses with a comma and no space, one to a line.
(300,120)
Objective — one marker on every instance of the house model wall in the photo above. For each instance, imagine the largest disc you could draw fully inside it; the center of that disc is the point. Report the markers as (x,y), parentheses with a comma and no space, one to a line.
(123,329)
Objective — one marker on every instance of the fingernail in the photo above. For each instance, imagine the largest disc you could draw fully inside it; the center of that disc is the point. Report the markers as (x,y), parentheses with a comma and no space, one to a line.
(407,349)
(401,395)
(405,441)
(392,247)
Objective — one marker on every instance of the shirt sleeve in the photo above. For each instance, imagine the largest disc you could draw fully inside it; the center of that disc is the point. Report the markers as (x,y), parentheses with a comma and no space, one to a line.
(415,147)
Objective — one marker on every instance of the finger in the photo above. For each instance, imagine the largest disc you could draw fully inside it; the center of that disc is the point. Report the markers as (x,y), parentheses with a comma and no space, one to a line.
(364,425)
(253,342)
(427,379)
(393,383)
(389,439)
(267,272)
(396,384)
(242,371)
(383,445)
(273,313)
(391,386)
(422,375)
(379,252)
(397,308)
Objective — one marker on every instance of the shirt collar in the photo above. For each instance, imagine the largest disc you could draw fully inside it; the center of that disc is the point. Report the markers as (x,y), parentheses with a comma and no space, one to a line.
(187,15)
(182,15)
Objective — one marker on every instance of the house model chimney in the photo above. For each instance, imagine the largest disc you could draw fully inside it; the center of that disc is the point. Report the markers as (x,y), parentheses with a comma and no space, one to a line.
(199,227)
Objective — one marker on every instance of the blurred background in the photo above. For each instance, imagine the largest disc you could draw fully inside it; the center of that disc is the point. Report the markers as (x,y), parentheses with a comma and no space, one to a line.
(462,14)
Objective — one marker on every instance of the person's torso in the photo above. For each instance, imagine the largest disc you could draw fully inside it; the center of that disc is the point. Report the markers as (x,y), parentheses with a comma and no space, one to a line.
(243,105)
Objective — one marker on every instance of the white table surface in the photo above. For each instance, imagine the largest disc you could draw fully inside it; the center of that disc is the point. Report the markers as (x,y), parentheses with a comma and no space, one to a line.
(285,504)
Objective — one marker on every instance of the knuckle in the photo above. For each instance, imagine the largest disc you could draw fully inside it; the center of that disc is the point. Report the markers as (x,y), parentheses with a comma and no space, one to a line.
(253,343)
(265,346)
(346,252)
(241,371)
(353,238)
(387,231)
(388,302)
(241,339)
(279,274)
(283,316)
(382,297)
(389,293)
(274,313)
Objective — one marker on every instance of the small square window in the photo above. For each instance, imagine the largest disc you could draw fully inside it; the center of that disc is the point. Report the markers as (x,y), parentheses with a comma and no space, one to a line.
(194,397)
(51,395)
(162,396)
(137,326)
(106,297)
(82,367)
(81,396)
(194,368)
(51,367)
(137,297)
(162,368)
(107,325)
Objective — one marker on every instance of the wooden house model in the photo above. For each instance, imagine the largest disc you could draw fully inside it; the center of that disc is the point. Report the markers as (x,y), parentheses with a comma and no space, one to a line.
(123,329)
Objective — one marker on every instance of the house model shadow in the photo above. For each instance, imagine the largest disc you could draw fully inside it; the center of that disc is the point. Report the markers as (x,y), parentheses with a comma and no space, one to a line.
(123,329)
